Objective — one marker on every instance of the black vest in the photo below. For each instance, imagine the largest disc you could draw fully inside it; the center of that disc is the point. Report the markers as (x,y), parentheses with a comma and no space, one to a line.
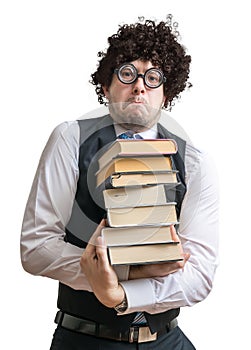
(88,210)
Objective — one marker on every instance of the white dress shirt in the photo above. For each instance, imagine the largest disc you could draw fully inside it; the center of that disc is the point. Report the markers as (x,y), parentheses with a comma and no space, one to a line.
(44,251)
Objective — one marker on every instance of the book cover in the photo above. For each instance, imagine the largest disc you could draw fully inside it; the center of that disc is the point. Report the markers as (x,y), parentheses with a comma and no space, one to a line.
(135,165)
(140,179)
(136,148)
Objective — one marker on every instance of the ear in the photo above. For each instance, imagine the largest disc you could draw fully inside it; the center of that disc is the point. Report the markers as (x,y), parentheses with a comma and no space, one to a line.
(165,99)
(106,91)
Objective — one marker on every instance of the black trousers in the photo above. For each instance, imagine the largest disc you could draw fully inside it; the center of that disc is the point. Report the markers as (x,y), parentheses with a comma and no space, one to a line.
(64,339)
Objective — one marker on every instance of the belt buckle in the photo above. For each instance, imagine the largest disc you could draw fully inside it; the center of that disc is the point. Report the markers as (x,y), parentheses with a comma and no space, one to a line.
(133,334)
(145,335)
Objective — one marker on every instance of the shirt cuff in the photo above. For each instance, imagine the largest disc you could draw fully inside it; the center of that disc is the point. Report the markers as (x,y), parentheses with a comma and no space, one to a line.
(139,294)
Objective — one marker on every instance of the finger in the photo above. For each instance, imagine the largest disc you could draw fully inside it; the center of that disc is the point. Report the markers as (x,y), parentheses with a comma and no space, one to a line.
(101,252)
(174,235)
(90,254)
(90,250)
(186,256)
(92,241)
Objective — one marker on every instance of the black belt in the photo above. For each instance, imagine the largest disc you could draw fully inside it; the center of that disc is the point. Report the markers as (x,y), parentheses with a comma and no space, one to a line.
(137,334)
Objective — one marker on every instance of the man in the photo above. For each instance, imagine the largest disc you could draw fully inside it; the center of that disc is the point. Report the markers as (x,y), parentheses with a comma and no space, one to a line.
(100,306)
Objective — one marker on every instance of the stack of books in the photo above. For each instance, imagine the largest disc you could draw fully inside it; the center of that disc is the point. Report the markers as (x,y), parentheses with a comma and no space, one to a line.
(136,176)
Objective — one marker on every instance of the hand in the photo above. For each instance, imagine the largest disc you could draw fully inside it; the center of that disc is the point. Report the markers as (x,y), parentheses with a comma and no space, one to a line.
(98,271)
(159,270)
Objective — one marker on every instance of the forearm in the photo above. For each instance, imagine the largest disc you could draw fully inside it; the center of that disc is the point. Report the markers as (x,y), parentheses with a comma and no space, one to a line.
(52,257)
(198,233)
(182,288)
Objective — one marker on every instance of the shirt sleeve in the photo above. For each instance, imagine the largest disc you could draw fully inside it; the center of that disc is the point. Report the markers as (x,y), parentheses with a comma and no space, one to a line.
(44,251)
(198,233)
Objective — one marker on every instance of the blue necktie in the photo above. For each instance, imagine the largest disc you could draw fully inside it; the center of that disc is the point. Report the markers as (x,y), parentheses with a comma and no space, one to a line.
(129,135)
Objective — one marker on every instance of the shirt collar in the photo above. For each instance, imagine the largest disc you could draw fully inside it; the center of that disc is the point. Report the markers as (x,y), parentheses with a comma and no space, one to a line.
(147,134)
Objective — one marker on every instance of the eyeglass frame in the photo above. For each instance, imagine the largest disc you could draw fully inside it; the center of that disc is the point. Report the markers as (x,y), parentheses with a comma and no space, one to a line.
(139,75)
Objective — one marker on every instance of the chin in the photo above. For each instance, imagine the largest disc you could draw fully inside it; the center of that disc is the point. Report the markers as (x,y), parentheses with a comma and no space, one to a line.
(134,127)
(136,117)
(136,109)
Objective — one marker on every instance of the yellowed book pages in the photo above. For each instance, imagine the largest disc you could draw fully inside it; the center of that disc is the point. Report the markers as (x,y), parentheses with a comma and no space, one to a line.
(136,235)
(144,215)
(142,254)
(134,196)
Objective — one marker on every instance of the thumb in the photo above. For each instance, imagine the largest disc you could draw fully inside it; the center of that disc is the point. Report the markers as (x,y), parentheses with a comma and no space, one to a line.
(101,251)
(174,235)
(97,232)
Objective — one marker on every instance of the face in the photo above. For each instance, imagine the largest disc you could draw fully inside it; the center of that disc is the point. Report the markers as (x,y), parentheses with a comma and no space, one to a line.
(135,106)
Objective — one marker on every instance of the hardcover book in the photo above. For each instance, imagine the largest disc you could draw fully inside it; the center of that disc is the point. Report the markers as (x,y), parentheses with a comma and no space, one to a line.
(134,165)
(124,236)
(140,179)
(145,254)
(137,148)
(164,214)
(136,196)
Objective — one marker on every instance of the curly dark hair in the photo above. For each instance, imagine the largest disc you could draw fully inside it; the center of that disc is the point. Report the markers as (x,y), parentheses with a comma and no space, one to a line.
(148,41)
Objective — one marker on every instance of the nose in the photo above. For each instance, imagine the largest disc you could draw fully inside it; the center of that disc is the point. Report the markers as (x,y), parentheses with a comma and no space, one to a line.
(139,86)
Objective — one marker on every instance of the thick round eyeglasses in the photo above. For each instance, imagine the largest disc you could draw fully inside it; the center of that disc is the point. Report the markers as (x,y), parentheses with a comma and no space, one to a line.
(128,74)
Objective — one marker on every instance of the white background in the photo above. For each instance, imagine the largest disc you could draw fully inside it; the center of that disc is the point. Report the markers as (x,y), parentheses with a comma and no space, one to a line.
(48,51)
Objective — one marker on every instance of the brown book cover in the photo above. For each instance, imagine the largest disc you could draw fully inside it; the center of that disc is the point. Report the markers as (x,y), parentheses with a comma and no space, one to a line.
(137,148)
(134,165)
(141,179)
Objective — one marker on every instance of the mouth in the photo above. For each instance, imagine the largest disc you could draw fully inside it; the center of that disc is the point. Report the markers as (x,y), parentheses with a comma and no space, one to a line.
(137,100)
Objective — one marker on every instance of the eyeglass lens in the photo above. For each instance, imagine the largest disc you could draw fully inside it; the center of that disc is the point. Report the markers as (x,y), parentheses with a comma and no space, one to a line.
(127,74)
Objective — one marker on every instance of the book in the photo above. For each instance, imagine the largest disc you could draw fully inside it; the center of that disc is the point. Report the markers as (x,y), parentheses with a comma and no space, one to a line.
(138,184)
(145,254)
(124,236)
(140,179)
(134,165)
(135,196)
(164,214)
(137,147)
